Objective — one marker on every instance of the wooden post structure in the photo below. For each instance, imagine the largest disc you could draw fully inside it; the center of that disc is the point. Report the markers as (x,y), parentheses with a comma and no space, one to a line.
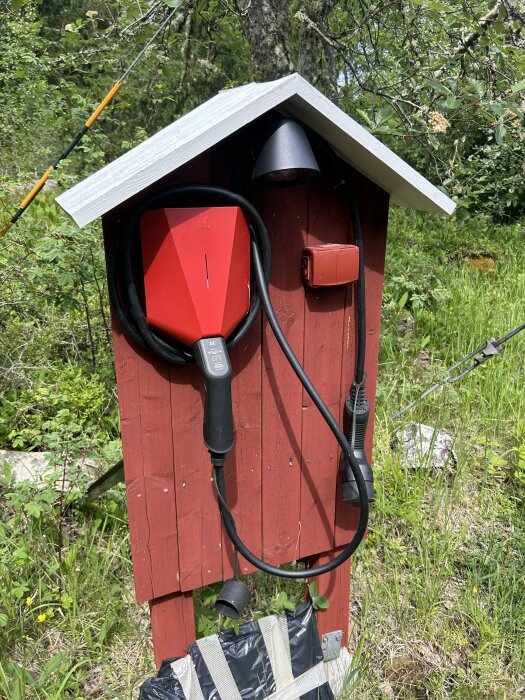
(283,474)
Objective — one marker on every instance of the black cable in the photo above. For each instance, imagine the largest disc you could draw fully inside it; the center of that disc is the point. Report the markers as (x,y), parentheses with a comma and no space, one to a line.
(126,303)
(227,517)
(361,308)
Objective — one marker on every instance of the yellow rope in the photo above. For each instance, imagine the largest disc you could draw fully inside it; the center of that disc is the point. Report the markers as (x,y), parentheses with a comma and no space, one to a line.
(6,229)
(87,125)
(36,189)
(107,99)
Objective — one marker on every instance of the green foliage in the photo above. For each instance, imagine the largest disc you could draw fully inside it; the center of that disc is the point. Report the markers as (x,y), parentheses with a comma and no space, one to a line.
(54,563)
(320,602)
(439,609)
(441,83)
(57,407)
(57,384)
(269,597)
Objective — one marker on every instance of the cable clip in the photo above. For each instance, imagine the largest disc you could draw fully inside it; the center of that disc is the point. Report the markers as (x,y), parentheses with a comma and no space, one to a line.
(490,349)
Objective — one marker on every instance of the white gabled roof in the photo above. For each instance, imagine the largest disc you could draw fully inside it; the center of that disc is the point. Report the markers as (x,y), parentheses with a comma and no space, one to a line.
(226,113)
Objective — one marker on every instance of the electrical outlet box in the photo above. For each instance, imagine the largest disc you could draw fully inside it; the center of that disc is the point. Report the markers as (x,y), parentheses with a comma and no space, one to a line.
(330,264)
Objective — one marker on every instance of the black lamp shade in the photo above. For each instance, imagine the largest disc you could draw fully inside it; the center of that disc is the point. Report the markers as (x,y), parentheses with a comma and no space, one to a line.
(286,157)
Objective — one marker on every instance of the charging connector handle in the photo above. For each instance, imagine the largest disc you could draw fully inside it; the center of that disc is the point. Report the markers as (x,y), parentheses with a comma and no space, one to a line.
(357,412)
(212,357)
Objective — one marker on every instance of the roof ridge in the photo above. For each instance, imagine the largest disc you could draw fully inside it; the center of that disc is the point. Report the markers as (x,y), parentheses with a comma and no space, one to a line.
(227,112)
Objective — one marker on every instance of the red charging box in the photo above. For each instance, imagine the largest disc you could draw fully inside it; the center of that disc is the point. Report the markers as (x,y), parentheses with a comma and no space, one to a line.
(196,270)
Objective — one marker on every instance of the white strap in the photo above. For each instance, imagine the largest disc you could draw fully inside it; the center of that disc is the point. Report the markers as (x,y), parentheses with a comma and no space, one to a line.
(187,676)
(220,673)
(310,680)
(338,673)
(278,649)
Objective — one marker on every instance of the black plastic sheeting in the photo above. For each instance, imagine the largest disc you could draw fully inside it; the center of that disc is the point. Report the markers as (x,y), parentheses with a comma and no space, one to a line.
(248,661)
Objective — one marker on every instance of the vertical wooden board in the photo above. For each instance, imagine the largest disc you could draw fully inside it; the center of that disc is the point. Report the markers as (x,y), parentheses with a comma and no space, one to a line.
(126,370)
(375,222)
(172,625)
(324,318)
(285,214)
(243,464)
(145,411)
(198,519)
(373,210)
(335,586)
(159,478)
(126,361)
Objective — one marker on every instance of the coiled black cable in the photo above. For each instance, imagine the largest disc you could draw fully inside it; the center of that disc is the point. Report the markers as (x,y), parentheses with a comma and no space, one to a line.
(126,303)
(123,292)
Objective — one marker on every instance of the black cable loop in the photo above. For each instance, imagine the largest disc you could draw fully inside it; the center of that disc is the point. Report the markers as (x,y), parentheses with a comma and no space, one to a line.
(123,291)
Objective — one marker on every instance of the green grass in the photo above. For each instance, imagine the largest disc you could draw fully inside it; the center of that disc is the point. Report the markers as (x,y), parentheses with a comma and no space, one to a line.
(439,596)
(438,601)
(70,625)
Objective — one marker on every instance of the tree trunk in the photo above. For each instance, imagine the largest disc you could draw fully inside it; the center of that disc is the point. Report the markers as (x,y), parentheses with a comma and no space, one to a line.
(267,29)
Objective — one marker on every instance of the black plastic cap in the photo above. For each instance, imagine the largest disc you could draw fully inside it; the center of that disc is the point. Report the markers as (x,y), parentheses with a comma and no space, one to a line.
(350,494)
(233,598)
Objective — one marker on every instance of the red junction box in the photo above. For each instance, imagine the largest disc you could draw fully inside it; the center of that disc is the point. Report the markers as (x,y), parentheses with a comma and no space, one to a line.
(330,264)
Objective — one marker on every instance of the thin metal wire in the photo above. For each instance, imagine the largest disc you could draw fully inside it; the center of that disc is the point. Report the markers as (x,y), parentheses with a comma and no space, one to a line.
(148,44)
(492,347)
(85,128)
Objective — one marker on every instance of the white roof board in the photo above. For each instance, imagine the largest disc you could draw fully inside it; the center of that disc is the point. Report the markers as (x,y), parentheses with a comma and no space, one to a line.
(225,114)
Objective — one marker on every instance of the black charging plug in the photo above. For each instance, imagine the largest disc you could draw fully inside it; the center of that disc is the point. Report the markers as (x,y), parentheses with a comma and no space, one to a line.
(211,355)
(357,411)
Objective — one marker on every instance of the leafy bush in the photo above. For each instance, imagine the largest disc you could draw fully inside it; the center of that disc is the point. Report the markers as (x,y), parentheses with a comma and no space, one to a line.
(62,404)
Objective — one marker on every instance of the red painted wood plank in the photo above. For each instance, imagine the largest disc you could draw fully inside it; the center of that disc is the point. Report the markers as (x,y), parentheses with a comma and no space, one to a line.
(335,586)
(148,466)
(126,360)
(324,318)
(373,209)
(375,221)
(243,464)
(159,481)
(144,405)
(198,519)
(285,214)
(172,625)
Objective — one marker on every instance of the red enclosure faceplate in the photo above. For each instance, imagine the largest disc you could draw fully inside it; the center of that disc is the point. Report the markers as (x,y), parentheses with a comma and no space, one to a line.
(196,270)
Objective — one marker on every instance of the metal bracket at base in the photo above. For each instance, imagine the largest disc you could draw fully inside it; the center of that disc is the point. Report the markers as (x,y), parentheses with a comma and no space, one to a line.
(331,645)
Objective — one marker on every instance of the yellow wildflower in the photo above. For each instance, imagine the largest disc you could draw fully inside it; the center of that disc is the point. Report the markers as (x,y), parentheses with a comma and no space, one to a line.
(42,617)
(474,589)
(29,600)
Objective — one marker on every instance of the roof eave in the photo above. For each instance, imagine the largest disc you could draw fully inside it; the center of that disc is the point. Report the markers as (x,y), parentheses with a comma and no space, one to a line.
(225,114)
